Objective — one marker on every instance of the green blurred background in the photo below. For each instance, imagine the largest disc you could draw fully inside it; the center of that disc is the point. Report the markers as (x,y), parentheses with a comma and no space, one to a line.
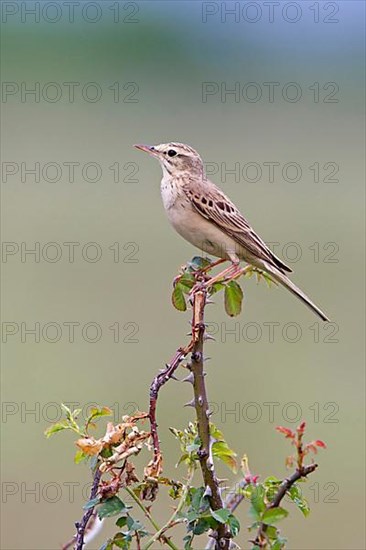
(160,53)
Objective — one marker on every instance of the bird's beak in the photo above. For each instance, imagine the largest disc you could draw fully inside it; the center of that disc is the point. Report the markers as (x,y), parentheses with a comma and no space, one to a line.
(147,148)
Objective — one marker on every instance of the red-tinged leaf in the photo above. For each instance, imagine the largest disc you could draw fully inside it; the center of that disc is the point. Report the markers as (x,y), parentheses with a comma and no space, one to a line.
(286,431)
(311,447)
(320,443)
(301,428)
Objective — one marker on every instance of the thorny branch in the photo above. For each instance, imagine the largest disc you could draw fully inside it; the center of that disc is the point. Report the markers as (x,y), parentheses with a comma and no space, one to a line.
(82,525)
(212,489)
(200,402)
(159,381)
(286,484)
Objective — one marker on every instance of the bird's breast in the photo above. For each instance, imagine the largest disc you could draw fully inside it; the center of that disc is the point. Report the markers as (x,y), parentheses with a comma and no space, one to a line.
(169,193)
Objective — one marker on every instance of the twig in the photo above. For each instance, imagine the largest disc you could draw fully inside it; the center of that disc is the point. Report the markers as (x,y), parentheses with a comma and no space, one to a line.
(212,488)
(82,525)
(174,520)
(148,515)
(286,484)
(142,507)
(235,497)
(156,384)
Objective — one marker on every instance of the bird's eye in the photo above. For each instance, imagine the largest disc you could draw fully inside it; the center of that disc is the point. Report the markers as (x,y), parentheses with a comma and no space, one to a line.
(172,153)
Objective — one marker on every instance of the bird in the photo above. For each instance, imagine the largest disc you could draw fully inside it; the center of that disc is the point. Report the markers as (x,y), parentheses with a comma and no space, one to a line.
(204,216)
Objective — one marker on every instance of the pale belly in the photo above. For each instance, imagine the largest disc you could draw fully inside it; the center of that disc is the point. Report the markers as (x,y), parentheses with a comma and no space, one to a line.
(198,231)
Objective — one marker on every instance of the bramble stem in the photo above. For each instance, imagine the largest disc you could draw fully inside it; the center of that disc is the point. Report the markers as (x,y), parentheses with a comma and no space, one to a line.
(223,534)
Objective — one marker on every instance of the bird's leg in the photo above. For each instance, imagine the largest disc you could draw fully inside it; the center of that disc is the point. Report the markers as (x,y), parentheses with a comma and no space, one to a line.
(214,264)
(241,271)
(226,275)
(205,283)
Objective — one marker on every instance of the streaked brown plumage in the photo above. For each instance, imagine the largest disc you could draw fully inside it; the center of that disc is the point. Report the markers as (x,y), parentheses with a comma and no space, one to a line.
(202,214)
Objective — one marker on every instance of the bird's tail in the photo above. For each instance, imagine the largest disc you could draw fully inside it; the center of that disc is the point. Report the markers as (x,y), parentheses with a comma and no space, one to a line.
(287,283)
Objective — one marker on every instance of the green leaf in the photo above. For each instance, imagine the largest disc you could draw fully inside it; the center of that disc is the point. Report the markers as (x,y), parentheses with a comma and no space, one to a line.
(71,416)
(178,299)
(133,524)
(271,479)
(279,543)
(234,525)
(122,521)
(199,263)
(254,514)
(91,503)
(187,282)
(96,412)
(273,515)
(57,427)
(187,542)
(271,532)
(257,499)
(80,456)
(194,446)
(122,540)
(216,287)
(197,499)
(202,525)
(111,507)
(221,515)
(233,298)
(222,451)
(295,494)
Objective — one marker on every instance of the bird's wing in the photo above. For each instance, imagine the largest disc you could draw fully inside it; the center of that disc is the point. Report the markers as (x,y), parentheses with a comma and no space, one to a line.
(213,204)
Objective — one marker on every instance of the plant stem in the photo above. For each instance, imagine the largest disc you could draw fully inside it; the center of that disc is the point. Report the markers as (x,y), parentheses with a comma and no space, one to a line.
(212,489)
(261,540)
(174,518)
(143,508)
(81,527)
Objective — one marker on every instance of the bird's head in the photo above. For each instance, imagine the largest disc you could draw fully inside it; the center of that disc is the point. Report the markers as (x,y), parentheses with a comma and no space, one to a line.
(175,158)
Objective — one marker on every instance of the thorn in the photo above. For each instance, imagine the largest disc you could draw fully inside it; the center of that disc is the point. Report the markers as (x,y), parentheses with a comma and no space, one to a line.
(189,378)
(206,359)
(208,492)
(190,403)
(209,413)
(208,337)
(189,333)
(173,377)
(221,481)
(208,302)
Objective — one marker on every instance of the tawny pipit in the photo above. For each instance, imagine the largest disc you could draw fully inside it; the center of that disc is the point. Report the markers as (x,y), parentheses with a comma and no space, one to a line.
(201,213)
